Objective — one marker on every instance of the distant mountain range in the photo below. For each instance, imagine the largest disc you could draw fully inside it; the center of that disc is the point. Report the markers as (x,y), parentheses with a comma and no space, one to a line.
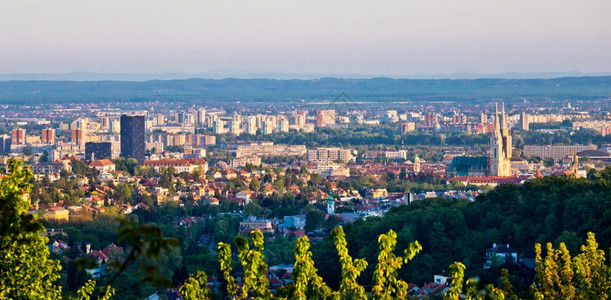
(223,74)
(213,91)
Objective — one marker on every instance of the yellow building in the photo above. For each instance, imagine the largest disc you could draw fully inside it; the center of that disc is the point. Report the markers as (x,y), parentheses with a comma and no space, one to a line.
(57,214)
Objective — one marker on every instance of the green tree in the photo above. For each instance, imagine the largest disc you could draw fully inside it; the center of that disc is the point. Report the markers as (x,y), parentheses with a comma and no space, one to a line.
(254,185)
(585,276)
(196,287)
(387,284)
(351,269)
(26,272)
(314,219)
(307,283)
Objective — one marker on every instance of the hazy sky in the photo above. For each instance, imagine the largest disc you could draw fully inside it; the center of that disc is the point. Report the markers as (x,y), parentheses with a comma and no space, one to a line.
(330,37)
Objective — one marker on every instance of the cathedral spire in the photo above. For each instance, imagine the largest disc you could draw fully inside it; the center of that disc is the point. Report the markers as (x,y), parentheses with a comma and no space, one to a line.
(496,119)
(505,126)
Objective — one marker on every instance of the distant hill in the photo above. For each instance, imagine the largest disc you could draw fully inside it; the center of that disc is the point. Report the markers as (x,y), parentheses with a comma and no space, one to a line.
(209,91)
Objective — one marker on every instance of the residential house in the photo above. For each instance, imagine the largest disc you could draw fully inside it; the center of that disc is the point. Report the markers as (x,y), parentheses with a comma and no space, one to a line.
(499,254)
(245,195)
(103,166)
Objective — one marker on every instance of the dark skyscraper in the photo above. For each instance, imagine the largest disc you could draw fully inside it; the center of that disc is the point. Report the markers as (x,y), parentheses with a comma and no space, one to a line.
(132,137)
(5,144)
(97,151)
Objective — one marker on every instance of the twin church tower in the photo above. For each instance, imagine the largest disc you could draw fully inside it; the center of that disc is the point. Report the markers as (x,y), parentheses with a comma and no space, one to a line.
(498,161)
(499,158)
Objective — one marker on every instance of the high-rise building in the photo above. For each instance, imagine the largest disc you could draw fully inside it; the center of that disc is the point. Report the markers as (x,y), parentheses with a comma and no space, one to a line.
(430,120)
(219,126)
(97,151)
(325,117)
(483,118)
(251,125)
(48,136)
(181,117)
(201,117)
(407,127)
(524,121)
(268,127)
(77,136)
(105,122)
(283,124)
(115,126)
(132,137)
(18,136)
(234,127)
(5,143)
(300,120)
(459,119)
(209,140)
(159,120)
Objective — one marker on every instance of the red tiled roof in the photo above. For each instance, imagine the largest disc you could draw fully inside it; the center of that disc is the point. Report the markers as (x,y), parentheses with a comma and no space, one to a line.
(99,254)
(110,247)
(101,163)
(167,162)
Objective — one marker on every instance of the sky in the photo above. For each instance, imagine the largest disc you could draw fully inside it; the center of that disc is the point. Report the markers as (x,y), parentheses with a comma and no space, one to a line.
(386,38)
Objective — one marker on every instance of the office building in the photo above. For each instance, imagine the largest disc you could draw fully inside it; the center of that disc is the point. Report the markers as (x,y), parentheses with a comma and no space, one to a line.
(5,143)
(97,151)
(132,137)
(555,152)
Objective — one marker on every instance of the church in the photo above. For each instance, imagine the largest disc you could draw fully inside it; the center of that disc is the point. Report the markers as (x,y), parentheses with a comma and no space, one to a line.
(498,162)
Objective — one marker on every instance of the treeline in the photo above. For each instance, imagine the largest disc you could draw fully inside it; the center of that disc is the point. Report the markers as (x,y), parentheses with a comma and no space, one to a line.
(211,91)
(552,209)
(384,136)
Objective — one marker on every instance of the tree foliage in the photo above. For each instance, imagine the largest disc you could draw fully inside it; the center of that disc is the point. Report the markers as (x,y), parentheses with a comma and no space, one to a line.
(26,271)
(585,276)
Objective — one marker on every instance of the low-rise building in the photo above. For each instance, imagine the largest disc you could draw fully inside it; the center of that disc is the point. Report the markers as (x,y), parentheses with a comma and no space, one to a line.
(103,166)
(57,214)
(180,165)
(51,167)
(499,254)
(265,226)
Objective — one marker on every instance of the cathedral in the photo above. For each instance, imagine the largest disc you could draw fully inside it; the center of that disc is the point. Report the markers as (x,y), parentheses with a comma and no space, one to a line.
(498,162)
(499,157)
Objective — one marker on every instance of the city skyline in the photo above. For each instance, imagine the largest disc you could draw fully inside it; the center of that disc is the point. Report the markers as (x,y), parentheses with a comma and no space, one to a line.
(369,38)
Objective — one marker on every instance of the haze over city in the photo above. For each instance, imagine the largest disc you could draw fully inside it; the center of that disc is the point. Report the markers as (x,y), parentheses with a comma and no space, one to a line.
(371,38)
